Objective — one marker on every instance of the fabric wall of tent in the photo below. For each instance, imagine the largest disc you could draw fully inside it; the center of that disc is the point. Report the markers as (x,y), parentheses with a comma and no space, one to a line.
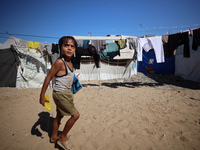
(9,63)
(109,69)
(30,70)
(149,64)
(188,68)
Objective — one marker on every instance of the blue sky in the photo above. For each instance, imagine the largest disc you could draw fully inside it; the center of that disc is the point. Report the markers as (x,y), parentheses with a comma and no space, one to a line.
(55,18)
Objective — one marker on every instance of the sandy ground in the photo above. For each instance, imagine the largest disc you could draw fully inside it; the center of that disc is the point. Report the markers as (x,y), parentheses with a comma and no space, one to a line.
(145,112)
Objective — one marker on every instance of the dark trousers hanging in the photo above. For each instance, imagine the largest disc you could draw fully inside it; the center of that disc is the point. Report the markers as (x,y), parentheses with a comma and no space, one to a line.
(176,40)
(90,51)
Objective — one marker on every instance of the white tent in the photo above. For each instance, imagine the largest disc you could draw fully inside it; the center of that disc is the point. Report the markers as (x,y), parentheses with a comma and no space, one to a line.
(188,68)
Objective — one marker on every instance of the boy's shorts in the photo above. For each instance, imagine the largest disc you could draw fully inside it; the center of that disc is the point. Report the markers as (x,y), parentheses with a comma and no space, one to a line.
(64,103)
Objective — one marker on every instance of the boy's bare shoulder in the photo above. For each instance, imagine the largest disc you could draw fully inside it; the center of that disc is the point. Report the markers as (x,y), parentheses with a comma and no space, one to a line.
(58,62)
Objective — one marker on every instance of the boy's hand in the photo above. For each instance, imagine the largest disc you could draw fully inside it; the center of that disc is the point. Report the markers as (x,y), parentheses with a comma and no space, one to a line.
(43,100)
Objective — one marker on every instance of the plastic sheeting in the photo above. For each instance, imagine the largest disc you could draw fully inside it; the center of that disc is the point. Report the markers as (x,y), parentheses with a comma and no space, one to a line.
(149,64)
(109,69)
(33,69)
(188,68)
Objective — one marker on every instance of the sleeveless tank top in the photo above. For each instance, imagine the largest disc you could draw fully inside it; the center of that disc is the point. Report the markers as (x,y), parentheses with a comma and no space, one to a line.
(63,83)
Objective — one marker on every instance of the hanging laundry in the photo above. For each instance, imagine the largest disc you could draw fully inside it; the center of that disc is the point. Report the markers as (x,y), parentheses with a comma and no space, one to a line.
(121,43)
(34,45)
(90,51)
(55,49)
(158,48)
(133,43)
(175,40)
(196,39)
(79,43)
(110,41)
(151,43)
(85,43)
(143,43)
(165,43)
(99,45)
(112,50)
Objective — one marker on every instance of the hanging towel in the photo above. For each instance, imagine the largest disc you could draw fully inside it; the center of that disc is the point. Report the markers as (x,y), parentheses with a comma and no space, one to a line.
(99,45)
(34,45)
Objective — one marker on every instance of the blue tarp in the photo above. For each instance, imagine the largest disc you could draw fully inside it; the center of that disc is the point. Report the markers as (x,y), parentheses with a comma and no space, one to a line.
(149,64)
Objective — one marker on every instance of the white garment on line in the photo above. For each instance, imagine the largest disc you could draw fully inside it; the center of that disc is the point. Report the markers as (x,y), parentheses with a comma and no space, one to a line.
(143,43)
(151,43)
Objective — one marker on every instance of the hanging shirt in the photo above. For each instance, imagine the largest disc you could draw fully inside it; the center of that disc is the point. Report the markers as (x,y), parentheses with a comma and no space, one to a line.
(143,43)
(121,43)
(151,43)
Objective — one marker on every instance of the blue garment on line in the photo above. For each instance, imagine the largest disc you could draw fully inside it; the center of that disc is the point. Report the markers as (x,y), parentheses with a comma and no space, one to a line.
(112,50)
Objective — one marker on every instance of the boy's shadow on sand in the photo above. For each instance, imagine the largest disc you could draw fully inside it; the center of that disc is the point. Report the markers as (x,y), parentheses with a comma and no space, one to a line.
(45,123)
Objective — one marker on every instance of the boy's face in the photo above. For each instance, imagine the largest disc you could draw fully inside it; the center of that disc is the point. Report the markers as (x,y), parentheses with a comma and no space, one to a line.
(68,48)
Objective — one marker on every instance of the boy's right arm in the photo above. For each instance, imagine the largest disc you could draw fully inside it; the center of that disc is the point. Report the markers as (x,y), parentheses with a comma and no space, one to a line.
(54,69)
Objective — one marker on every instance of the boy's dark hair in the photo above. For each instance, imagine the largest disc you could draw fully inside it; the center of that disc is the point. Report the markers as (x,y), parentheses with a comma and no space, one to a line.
(66,39)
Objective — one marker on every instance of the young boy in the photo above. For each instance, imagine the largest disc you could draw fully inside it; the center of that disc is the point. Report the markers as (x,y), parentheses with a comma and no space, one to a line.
(62,95)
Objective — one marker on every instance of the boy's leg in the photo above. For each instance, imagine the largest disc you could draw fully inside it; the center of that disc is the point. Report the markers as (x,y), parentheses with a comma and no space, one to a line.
(56,124)
(68,126)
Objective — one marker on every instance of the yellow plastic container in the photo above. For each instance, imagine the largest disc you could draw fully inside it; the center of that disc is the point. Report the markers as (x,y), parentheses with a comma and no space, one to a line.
(48,105)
